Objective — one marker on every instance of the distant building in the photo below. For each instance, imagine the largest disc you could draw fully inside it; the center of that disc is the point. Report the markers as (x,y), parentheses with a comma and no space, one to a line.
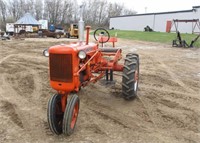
(26,23)
(162,22)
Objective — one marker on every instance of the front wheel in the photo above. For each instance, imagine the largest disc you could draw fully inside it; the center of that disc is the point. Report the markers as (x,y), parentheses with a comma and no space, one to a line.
(130,77)
(71,114)
(55,114)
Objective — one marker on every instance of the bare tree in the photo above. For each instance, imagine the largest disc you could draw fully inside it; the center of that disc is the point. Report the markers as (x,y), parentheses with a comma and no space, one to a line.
(52,10)
(3,10)
(128,12)
(96,12)
(28,6)
(86,13)
(68,11)
(38,6)
(115,9)
(15,8)
(102,12)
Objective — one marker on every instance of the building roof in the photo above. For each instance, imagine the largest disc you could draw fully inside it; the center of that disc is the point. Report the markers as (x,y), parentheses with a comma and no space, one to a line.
(196,6)
(27,19)
(170,12)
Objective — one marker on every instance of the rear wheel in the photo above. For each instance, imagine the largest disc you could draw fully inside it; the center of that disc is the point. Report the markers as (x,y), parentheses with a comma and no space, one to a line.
(55,114)
(130,76)
(71,114)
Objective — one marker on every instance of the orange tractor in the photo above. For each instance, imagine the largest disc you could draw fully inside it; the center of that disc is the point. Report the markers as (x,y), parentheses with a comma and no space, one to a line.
(76,65)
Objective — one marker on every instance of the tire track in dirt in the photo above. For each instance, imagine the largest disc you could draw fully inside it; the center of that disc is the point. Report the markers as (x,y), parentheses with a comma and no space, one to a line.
(10,110)
(7,57)
(173,80)
(132,125)
(108,112)
(174,94)
(160,98)
(178,99)
(174,77)
(156,101)
(117,90)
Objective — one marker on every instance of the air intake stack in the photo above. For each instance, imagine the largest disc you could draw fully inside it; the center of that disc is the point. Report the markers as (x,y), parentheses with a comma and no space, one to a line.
(81,25)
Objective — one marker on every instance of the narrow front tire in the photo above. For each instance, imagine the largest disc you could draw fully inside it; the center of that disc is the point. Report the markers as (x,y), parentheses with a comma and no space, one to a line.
(71,114)
(55,114)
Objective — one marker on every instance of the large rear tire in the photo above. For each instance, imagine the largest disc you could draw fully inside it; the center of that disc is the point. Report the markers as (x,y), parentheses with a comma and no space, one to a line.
(55,114)
(71,114)
(130,77)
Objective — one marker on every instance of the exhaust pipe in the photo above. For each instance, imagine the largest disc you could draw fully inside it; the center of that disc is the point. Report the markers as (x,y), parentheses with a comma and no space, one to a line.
(81,25)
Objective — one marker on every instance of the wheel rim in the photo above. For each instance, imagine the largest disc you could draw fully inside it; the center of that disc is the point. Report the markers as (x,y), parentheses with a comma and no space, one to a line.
(74,115)
(136,76)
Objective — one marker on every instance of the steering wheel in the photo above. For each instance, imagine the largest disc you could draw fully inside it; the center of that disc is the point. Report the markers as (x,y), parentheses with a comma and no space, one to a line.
(101,35)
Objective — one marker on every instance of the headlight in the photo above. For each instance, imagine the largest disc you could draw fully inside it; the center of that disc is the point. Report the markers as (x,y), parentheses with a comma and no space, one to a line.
(82,55)
(46,52)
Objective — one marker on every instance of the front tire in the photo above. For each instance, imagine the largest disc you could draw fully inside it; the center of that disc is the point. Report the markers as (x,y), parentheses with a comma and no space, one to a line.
(130,77)
(55,114)
(71,114)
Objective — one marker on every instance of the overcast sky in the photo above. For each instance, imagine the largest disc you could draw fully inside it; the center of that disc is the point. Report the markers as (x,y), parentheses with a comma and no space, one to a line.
(158,5)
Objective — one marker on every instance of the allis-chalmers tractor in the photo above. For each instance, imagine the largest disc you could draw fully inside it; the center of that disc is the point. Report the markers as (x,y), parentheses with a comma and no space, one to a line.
(76,65)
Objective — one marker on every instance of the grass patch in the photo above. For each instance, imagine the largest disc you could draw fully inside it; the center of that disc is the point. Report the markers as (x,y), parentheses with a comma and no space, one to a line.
(160,37)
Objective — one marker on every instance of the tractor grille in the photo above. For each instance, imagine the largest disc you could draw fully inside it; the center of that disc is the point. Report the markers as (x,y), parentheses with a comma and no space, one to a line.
(61,67)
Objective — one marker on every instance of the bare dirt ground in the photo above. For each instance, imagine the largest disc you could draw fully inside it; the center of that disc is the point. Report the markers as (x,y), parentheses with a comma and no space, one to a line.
(167,109)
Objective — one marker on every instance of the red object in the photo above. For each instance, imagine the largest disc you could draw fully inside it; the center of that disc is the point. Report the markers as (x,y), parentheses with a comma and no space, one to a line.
(68,72)
(87,35)
(112,39)
(74,115)
(74,66)
(168,26)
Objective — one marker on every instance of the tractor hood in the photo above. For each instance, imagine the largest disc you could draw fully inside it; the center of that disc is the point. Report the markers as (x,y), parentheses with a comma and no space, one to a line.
(73,48)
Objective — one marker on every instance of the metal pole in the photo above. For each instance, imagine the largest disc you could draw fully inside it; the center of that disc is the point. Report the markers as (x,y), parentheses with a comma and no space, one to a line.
(81,25)
(111,75)
(106,75)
